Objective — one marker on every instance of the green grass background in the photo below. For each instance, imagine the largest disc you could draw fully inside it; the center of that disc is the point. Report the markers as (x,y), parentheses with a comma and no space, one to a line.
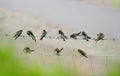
(10,65)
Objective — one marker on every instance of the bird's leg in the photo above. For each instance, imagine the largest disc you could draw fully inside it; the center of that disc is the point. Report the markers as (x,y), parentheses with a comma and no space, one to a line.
(63,38)
(57,54)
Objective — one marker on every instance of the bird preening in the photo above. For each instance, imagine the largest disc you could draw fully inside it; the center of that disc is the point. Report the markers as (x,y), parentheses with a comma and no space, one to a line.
(30,34)
(75,35)
(44,33)
(57,51)
(82,53)
(100,36)
(18,34)
(85,36)
(27,50)
(62,35)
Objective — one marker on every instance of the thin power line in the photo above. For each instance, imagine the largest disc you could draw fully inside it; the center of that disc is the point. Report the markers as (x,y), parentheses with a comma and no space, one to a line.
(42,58)
(91,66)
(62,55)
(107,66)
(75,65)
(52,37)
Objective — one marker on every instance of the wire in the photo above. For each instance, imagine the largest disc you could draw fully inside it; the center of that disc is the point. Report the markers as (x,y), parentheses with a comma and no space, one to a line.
(107,66)
(51,54)
(53,37)
(75,65)
(42,58)
(91,65)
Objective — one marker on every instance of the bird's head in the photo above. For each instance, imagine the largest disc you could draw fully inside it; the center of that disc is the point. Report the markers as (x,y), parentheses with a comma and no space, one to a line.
(44,30)
(28,32)
(59,31)
(21,30)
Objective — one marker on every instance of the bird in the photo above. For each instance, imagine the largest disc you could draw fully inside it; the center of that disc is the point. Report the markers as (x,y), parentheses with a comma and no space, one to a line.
(44,33)
(27,50)
(18,34)
(74,35)
(85,36)
(100,36)
(57,51)
(30,34)
(62,35)
(82,53)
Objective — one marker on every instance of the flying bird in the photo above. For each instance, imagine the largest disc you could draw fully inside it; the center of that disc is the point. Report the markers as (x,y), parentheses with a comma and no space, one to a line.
(62,35)
(57,51)
(44,33)
(18,34)
(85,36)
(30,34)
(27,50)
(74,35)
(100,36)
(82,53)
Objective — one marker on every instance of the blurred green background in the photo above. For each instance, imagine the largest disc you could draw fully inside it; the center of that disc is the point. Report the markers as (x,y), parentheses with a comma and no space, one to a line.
(10,65)
(116,3)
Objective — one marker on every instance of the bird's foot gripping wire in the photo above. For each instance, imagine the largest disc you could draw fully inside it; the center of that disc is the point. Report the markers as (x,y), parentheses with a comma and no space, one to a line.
(57,51)
(57,54)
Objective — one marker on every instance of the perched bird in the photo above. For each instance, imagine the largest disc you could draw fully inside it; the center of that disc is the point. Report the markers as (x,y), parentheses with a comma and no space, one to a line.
(44,33)
(85,36)
(82,53)
(27,50)
(57,51)
(74,35)
(62,35)
(100,37)
(18,33)
(30,34)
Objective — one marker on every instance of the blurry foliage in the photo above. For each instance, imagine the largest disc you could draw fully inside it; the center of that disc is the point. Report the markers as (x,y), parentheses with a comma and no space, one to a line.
(58,71)
(114,69)
(10,65)
(116,3)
